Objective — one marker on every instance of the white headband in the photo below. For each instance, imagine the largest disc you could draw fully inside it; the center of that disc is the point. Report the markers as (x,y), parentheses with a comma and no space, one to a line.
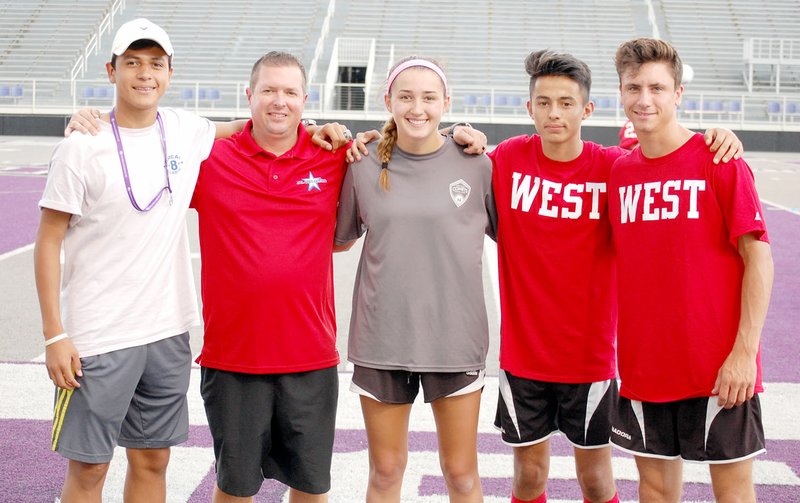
(416,62)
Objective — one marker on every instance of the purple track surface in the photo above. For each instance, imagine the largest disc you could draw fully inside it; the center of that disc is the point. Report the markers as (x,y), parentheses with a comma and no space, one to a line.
(30,472)
(29,477)
(19,196)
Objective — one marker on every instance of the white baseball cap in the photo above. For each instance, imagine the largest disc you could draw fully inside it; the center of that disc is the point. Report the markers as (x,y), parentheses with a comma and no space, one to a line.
(140,29)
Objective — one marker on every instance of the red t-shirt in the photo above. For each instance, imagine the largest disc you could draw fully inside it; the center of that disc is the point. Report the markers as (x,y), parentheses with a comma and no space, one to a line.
(627,136)
(557,289)
(266,236)
(676,222)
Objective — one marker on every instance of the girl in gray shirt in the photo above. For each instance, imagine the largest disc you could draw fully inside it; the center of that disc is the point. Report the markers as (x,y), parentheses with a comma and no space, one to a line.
(418,314)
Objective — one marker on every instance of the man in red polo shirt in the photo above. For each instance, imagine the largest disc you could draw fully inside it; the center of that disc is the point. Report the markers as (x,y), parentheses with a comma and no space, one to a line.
(267,200)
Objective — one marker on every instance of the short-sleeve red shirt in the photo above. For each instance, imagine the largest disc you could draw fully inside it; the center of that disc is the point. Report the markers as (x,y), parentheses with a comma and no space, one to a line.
(266,237)
(557,288)
(676,222)
(627,136)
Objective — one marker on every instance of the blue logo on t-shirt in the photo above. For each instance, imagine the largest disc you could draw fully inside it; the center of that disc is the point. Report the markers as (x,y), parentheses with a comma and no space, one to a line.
(174,164)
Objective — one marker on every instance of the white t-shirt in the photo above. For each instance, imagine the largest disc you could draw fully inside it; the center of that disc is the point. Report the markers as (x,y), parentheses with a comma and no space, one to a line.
(127,275)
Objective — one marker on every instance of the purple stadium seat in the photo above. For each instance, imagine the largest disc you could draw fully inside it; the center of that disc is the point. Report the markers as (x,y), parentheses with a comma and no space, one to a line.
(793,111)
(734,109)
(470,102)
(773,110)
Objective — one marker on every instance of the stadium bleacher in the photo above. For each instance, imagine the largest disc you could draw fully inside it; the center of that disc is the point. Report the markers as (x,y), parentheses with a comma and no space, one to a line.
(482,44)
(42,38)
(711,38)
(483,48)
(216,42)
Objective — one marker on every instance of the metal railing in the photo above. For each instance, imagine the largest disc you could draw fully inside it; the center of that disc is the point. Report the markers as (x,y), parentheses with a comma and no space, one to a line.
(757,111)
(323,35)
(767,59)
(772,50)
(93,46)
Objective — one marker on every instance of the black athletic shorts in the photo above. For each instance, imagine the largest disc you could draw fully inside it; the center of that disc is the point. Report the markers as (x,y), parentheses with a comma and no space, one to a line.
(401,386)
(695,429)
(531,411)
(276,426)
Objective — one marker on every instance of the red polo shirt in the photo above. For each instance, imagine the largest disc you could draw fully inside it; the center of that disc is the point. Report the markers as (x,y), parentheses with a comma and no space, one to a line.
(266,232)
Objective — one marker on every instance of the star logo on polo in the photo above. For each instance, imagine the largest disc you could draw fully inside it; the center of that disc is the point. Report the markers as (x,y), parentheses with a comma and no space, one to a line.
(459,192)
(312,181)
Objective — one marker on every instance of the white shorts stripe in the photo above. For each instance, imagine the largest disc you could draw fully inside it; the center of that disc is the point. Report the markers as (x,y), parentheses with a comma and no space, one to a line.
(508,399)
(596,393)
(636,405)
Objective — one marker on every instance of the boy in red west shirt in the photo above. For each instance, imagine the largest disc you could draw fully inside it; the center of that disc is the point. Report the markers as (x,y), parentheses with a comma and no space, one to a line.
(557,283)
(695,274)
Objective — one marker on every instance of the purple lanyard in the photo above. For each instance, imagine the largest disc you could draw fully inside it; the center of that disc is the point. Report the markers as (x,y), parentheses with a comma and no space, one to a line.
(124,163)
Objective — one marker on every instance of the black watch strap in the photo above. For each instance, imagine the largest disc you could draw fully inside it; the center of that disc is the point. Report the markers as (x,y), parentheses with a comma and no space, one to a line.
(452,129)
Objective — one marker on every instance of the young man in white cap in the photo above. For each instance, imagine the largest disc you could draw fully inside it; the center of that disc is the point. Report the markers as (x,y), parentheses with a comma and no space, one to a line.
(138,266)
(117,203)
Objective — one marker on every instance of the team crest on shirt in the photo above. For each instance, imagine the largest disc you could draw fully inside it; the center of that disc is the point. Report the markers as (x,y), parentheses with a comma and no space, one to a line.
(174,164)
(312,182)
(459,192)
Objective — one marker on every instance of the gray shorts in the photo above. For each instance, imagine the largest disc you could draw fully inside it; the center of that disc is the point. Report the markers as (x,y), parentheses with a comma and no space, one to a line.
(134,397)
(531,411)
(402,386)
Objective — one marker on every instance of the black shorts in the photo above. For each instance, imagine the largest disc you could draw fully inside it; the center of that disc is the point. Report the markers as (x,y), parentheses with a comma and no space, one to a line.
(696,429)
(531,411)
(276,426)
(401,386)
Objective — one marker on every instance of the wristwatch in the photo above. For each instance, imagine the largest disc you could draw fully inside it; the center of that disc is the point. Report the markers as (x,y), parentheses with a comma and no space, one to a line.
(452,129)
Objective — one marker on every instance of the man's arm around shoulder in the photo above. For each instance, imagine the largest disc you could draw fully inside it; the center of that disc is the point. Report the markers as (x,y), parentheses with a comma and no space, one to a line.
(228,129)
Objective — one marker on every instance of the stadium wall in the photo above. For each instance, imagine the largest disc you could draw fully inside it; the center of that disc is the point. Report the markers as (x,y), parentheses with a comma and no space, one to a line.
(755,141)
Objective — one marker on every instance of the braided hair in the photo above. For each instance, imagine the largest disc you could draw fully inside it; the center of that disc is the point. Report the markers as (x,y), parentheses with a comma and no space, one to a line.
(385,148)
